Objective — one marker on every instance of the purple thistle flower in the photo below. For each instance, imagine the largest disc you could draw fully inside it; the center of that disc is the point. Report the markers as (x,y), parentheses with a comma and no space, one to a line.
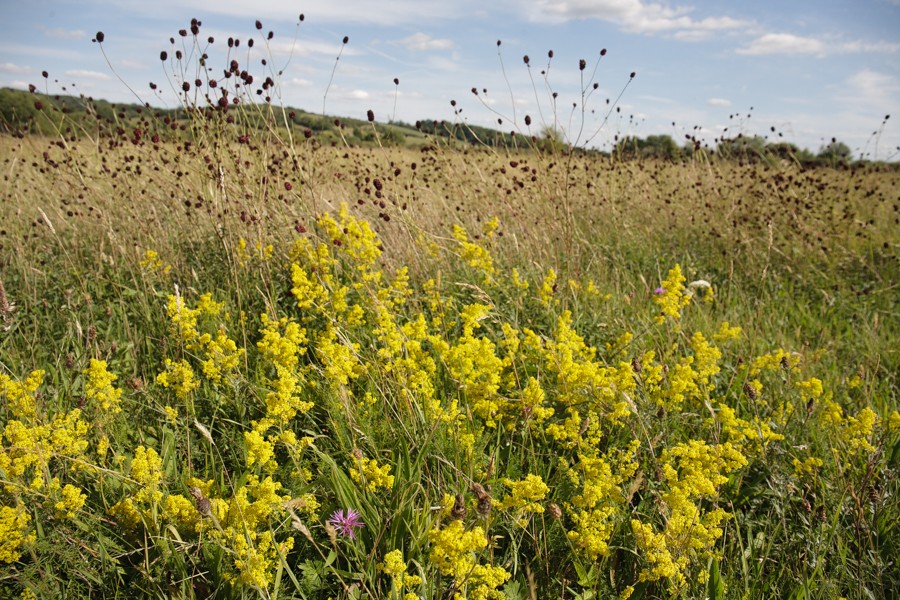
(344,523)
(659,291)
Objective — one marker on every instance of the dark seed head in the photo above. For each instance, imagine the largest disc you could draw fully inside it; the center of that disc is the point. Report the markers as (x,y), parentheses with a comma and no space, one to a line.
(346,39)
(259,24)
(582,64)
(100,37)
(163,55)
(370,114)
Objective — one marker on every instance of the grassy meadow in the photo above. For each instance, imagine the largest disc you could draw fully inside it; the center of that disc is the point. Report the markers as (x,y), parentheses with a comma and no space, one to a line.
(236,361)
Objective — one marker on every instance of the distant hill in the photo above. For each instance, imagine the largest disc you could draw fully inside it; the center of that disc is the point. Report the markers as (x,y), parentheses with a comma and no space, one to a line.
(23,112)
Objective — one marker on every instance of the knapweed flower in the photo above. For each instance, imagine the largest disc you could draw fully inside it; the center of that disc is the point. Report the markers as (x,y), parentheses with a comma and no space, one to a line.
(346,522)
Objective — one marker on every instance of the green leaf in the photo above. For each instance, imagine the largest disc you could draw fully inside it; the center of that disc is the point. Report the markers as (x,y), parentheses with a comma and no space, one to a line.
(715,587)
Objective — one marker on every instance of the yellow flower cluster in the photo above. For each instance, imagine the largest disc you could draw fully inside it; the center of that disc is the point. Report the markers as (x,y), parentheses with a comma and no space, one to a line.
(593,510)
(592,393)
(548,288)
(179,376)
(245,530)
(370,475)
(693,471)
(525,497)
(71,502)
(219,355)
(14,532)
(20,397)
(355,237)
(854,431)
(477,257)
(31,450)
(779,359)
(146,471)
(282,344)
(99,387)
(453,548)
(474,364)
(339,358)
(395,567)
(152,262)
(453,553)
(672,297)
(752,437)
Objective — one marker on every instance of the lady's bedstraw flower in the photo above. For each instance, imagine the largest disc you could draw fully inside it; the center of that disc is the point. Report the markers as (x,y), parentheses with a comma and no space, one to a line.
(346,522)
(99,387)
(671,296)
(14,532)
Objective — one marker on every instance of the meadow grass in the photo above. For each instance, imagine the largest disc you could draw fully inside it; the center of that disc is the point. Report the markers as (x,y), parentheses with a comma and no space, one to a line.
(238,363)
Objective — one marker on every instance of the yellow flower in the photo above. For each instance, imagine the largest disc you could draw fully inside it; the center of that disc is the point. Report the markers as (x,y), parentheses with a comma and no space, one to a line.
(727,332)
(672,297)
(453,548)
(20,396)
(477,257)
(146,467)
(548,288)
(99,387)
(370,475)
(179,376)
(72,501)
(14,534)
(525,496)
(395,567)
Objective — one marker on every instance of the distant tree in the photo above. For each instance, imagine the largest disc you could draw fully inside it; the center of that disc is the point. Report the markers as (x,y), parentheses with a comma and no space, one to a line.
(16,109)
(661,147)
(742,148)
(834,153)
(551,139)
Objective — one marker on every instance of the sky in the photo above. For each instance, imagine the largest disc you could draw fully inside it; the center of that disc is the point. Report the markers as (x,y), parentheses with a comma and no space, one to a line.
(803,71)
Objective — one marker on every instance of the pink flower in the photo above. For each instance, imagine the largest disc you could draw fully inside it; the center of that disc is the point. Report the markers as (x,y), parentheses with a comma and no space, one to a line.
(345,523)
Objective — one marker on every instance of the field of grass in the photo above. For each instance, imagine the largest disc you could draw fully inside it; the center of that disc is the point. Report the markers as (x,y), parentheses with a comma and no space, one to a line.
(253,365)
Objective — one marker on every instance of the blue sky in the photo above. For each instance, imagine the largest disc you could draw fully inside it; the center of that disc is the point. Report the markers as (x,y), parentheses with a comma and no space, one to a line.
(813,70)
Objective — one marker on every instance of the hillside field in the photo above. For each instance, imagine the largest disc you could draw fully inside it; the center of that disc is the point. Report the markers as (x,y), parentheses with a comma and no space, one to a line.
(247,362)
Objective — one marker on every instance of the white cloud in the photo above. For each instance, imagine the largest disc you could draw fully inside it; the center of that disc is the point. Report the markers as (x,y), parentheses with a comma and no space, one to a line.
(422,41)
(788,43)
(386,12)
(636,16)
(784,43)
(65,34)
(718,102)
(305,47)
(873,47)
(13,68)
(358,94)
(872,90)
(86,74)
